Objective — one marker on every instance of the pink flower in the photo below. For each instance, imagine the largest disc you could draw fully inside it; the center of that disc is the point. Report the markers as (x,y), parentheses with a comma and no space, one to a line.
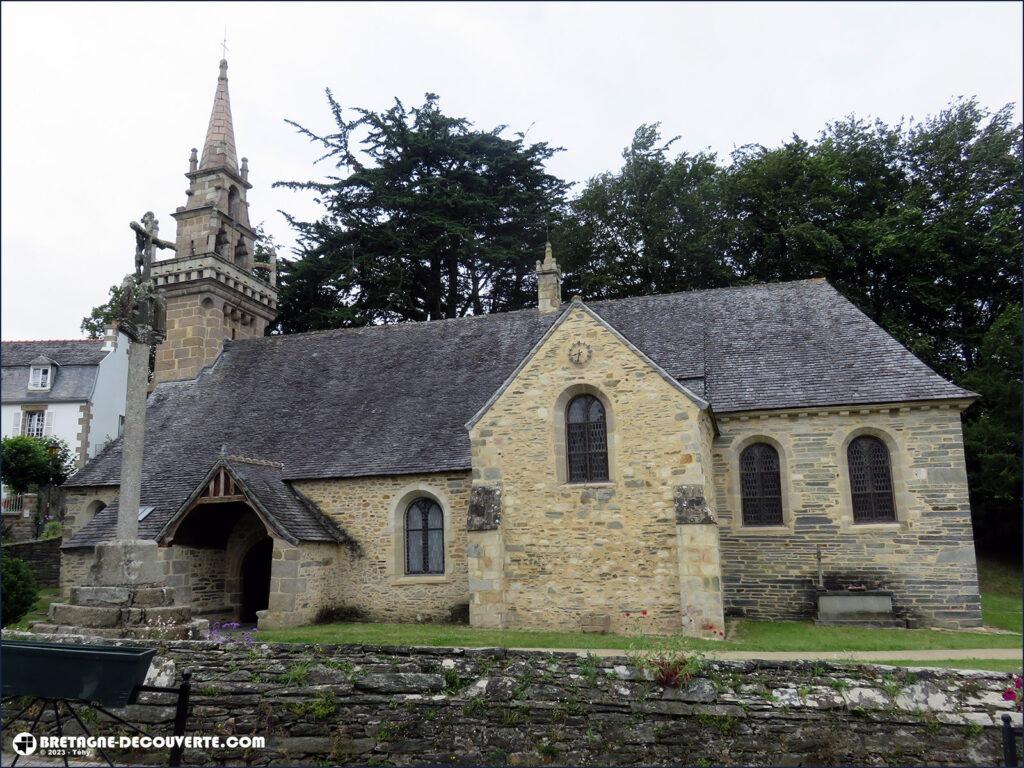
(1009,695)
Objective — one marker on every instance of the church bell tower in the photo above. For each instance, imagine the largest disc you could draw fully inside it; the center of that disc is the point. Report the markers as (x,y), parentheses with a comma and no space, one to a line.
(216,286)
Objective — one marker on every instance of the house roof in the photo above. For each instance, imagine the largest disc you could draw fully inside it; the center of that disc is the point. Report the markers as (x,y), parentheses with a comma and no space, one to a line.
(60,351)
(73,380)
(395,399)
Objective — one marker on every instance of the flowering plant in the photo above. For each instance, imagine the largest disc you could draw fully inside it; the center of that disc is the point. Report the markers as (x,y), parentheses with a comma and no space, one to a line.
(224,632)
(1015,692)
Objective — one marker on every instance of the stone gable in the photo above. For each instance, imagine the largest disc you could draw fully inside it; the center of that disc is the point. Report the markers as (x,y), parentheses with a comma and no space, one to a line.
(564,551)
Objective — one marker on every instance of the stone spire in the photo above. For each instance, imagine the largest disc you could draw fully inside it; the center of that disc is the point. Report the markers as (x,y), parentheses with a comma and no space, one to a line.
(219,149)
(549,283)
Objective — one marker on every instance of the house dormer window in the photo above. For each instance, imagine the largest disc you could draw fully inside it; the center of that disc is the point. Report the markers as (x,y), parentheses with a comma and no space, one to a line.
(40,377)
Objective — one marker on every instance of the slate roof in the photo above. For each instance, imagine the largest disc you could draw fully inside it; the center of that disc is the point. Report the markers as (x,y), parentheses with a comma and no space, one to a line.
(395,399)
(73,379)
(292,515)
(61,351)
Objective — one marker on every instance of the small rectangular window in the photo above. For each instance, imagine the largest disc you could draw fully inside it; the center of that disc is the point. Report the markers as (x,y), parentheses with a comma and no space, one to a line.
(39,377)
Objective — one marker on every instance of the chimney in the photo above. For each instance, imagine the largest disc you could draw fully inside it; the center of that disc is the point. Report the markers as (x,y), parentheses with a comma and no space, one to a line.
(549,283)
(110,337)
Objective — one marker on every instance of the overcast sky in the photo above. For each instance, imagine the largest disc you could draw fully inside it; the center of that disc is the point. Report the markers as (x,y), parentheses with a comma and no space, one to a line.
(102,102)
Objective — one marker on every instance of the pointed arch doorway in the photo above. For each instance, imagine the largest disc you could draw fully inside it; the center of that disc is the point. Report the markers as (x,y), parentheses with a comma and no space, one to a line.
(255,580)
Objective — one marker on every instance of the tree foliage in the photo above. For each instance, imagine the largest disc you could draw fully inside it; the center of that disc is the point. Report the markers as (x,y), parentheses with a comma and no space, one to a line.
(35,462)
(431,218)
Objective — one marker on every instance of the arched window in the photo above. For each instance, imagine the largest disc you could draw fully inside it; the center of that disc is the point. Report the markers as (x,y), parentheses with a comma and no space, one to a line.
(760,485)
(586,440)
(870,480)
(424,537)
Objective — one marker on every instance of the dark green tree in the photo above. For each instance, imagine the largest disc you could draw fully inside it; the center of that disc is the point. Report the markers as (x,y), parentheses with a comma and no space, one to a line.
(654,226)
(94,326)
(431,218)
(26,463)
(992,435)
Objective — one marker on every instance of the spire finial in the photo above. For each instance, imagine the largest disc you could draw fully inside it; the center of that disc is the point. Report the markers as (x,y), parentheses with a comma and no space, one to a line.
(549,256)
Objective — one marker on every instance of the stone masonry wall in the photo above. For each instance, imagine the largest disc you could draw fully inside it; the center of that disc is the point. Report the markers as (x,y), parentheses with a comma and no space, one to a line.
(331,705)
(571,551)
(926,558)
(80,504)
(42,558)
(371,510)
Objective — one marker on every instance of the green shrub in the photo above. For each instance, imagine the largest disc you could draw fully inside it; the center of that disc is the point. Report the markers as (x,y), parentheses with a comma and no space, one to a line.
(53,529)
(19,591)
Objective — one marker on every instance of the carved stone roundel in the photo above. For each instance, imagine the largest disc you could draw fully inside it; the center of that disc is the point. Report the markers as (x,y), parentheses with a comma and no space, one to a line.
(579,353)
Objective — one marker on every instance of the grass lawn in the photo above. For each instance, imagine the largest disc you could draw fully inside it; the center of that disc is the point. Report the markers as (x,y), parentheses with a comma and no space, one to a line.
(992,665)
(39,611)
(749,636)
(1000,593)
(1001,607)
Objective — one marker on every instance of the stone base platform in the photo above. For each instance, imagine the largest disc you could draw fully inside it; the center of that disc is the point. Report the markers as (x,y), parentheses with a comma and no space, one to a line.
(195,629)
(127,598)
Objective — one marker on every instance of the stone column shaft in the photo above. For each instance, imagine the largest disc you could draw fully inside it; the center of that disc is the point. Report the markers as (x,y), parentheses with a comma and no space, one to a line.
(132,443)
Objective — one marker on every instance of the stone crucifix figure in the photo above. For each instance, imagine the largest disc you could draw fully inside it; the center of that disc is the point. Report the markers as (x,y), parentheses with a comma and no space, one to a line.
(142,317)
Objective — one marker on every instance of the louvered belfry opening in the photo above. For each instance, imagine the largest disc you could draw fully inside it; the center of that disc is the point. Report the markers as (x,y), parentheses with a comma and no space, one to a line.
(760,485)
(586,440)
(870,481)
(424,538)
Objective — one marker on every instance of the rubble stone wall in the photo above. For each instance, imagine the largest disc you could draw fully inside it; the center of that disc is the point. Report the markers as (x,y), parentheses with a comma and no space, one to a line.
(41,556)
(321,705)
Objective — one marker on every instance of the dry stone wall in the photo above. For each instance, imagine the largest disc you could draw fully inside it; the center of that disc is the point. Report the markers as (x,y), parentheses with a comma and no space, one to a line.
(320,705)
(926,558)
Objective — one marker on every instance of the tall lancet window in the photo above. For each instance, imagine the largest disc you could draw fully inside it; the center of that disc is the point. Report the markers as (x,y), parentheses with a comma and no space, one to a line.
(760,485)
(424,538)
(586,440)
(870,481)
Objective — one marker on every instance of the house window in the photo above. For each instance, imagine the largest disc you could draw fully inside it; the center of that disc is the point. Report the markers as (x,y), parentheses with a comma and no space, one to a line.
(424,538)
(586,440)
(35,423)
(39,377)
(870,481)
(760,485)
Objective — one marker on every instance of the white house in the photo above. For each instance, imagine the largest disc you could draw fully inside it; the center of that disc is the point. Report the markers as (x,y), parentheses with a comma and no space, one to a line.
(70,389)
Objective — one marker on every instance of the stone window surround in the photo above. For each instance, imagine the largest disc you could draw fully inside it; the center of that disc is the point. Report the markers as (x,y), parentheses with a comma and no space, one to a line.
(734,493)
(396,560)
(561,457)
(901,500)
(26,410)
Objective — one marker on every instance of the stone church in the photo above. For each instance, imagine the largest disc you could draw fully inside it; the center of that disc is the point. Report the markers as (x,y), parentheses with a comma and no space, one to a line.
(649,464)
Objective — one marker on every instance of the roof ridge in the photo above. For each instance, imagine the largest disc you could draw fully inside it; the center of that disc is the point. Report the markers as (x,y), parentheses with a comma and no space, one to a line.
(419,323)
(252,460)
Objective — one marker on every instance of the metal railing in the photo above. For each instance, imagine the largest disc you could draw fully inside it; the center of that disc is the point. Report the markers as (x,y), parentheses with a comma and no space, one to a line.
(11,503)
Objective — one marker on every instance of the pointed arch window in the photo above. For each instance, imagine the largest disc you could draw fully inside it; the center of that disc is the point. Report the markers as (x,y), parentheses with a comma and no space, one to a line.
(760,485)
(870,481)
(424,538)
(586,440)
